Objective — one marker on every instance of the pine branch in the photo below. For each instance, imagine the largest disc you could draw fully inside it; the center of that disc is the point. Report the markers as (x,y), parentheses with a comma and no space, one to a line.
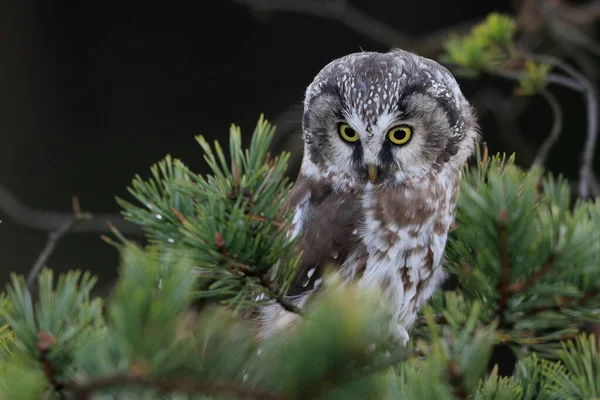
(282,301)
(267,285)
(53,238)
(45,343)
(532,280)
(265,282)
(569,302)
(167,385)
(503,286)
(456,380)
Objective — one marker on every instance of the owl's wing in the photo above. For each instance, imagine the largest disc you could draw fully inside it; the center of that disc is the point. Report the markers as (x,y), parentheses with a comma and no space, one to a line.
(329,223)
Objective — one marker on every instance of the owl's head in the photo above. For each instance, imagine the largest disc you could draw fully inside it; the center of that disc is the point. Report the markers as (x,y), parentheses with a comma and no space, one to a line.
(385,118)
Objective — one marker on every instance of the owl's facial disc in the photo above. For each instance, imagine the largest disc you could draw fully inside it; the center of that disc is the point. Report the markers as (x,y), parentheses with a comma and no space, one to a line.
(383,118)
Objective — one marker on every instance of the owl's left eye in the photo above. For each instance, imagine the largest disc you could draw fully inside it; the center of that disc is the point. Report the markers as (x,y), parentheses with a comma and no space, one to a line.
(400,134)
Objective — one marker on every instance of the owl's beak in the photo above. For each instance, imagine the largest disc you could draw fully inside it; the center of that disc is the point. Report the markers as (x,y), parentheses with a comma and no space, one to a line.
(372,173)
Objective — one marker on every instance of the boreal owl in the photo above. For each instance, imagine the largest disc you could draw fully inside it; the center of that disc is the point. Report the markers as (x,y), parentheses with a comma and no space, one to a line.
(386,136)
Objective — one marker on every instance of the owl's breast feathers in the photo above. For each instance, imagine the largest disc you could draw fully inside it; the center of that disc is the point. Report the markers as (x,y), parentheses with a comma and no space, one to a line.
(391,236)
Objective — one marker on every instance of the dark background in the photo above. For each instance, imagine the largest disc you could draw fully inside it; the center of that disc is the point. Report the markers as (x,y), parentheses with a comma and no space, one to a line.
(94,92)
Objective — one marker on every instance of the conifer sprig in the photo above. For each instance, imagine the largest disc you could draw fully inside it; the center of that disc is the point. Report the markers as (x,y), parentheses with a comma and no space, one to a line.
(522,246)
(230,222)
(525,259)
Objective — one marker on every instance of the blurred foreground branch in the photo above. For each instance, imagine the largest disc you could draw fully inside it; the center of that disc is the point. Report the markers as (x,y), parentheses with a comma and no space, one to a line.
(180,385)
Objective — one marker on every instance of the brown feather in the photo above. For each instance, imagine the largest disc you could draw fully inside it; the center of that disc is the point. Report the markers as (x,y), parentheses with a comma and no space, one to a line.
(329,235)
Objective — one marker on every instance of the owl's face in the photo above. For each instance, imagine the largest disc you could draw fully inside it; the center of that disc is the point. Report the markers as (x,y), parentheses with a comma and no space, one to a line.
(384,119)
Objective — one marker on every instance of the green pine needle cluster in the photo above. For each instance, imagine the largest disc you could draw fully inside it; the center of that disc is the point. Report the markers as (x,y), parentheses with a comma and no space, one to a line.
(524,258)
(229,222)
(533,257)
(490,46)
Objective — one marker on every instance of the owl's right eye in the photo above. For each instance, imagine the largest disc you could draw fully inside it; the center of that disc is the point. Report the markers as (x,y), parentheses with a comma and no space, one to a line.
(347,133)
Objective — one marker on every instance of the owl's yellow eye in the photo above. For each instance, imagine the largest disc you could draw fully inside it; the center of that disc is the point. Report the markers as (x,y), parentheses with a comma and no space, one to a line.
(400,134)
(347,133)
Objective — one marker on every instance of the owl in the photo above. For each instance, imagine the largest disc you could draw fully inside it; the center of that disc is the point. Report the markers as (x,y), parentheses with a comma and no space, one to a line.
(386,136)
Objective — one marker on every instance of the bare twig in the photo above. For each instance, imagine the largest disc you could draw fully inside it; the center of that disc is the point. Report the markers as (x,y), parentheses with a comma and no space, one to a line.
(545,148)
(585,171)
(282,301)
(550,78)
(343,12)
(581,84)
(50,221)
(53,239)
(166,385)
(338,10)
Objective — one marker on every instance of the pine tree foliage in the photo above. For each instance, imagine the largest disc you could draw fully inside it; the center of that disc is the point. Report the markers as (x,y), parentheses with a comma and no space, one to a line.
(489,46)
(524,257)
(230,222)
(528,253)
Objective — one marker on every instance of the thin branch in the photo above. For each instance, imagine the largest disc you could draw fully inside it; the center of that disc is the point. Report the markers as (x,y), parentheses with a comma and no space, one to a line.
(53,239)
(167,385)
(282,301)
(573,301)
(456,380)
(550,78)
(359,21)
(46,341)
(581,84)
(585,171)
(338,10)
(544,150)
(277,224)
(50,221)
(532,280)
(266,283)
